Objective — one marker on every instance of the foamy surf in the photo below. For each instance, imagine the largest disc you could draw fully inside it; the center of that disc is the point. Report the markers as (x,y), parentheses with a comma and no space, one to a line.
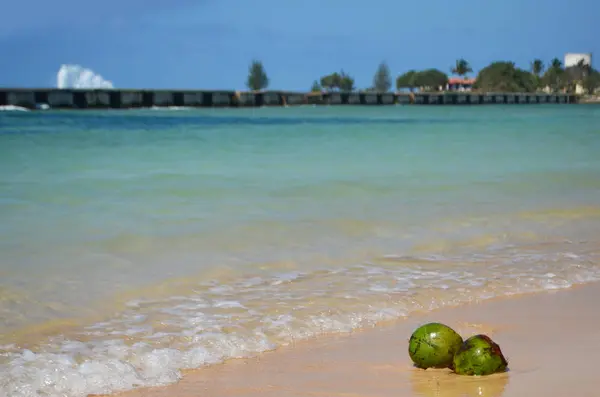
(152,340)
(13,108)
(171,108)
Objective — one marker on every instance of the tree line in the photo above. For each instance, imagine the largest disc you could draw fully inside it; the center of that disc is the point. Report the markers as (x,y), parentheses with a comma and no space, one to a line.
(499,76)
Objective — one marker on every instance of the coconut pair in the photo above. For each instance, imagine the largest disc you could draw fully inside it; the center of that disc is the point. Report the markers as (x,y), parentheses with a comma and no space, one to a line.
(436,345)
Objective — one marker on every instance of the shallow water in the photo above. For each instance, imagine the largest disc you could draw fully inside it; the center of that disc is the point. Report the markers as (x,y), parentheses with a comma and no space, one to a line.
(137,243)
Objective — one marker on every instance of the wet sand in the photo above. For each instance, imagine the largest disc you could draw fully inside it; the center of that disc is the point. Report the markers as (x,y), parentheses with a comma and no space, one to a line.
(552,341)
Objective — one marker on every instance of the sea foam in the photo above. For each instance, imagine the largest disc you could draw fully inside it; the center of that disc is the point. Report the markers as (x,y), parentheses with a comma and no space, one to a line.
(12,108)
(76,76)
(154,339)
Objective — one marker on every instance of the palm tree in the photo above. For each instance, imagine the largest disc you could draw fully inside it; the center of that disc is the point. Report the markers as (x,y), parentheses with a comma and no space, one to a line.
(584,67)
(537,67)
(555,75)
(556,64)
(462,67)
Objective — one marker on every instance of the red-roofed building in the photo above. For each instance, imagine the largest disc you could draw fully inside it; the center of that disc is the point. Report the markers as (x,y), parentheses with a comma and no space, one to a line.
(459,84)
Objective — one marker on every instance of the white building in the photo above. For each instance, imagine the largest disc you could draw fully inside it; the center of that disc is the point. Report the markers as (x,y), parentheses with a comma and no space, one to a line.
(572,59)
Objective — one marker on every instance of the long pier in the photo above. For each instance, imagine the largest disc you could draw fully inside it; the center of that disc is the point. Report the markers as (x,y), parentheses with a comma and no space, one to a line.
(127,99)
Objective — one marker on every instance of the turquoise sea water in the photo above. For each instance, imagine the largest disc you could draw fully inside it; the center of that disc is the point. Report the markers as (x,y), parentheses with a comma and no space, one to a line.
(137,243)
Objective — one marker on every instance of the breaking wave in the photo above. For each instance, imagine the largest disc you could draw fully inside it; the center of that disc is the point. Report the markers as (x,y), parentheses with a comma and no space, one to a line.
(12,108)
(76,76)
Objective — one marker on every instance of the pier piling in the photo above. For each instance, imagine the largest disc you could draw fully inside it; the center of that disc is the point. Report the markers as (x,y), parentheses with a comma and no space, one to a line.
(128,98)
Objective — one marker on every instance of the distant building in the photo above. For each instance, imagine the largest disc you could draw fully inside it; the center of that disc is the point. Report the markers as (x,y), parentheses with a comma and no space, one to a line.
(572,59)
(459,84)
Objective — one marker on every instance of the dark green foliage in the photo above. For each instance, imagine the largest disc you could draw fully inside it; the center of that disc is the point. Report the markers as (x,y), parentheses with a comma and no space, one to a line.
(433,345)
(257,77)
(500,76)
(555,77)
(505,77)
(591,83)
(578,72)
(429,80)
(382,81)
(331,81)
(407,80)
(346,82)
(316,87)
(537,67)
(462,67)
(338,81)
(479,355)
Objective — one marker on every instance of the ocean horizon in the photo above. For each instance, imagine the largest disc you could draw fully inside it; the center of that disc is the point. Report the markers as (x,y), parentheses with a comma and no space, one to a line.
(137,243)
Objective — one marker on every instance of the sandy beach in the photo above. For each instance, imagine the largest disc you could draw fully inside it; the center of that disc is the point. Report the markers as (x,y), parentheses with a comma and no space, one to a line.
(550,339)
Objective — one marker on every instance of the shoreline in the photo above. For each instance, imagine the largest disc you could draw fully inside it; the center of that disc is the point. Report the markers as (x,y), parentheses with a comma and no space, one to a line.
(375,362)
(590,100)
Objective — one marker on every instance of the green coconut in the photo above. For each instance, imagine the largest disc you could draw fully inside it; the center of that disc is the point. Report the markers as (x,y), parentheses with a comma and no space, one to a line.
(479,355)
(433,345)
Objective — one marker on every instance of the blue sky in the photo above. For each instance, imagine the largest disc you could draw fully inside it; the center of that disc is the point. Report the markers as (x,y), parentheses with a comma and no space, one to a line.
(209,43)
